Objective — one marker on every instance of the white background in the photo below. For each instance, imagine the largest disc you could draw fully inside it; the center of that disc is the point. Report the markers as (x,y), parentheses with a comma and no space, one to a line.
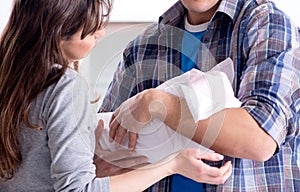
(146,10)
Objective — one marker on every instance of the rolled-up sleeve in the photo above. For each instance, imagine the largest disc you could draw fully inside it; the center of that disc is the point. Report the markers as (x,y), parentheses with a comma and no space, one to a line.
(269,88)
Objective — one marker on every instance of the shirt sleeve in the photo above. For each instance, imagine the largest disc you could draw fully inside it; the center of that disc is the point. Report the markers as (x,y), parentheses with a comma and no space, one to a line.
(71,137)
(269,85)
(123,84)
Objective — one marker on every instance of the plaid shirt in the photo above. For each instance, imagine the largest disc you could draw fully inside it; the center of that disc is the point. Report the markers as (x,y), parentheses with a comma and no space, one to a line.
(262,41)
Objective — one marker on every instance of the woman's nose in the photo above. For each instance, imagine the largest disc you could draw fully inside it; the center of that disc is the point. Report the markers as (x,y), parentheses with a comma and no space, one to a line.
(100,33)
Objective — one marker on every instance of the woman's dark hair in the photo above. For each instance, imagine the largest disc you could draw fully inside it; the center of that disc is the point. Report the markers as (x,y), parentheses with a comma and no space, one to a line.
(29,46)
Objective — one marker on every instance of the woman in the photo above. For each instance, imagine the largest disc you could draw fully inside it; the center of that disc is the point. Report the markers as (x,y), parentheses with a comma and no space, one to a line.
(47,142)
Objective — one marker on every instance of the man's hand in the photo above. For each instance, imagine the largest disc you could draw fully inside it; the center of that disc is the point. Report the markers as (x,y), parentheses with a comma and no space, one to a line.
(134,114)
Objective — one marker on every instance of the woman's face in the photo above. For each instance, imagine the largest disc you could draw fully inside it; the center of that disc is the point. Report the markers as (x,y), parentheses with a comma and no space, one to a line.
(76,48)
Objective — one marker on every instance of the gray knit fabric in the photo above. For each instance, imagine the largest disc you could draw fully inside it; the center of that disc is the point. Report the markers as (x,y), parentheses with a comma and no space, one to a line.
(59,157)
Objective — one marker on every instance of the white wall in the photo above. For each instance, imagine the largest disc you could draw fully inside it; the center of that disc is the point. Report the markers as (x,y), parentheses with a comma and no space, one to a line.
(291,8)
(5,7)
(145,10)
(139,10)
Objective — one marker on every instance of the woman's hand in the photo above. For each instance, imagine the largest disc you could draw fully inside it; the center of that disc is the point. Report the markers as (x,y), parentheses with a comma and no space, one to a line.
(189,164)
(110,163)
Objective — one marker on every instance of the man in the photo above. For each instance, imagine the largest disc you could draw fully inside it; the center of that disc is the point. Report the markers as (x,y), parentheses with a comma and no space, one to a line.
(262,41)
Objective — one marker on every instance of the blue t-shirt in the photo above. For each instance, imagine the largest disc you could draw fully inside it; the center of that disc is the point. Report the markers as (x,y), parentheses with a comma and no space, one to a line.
(190,47)
(189,52)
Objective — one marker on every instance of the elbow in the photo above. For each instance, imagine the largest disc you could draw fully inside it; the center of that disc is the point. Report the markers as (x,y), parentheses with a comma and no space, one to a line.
(264,156)
(265,151)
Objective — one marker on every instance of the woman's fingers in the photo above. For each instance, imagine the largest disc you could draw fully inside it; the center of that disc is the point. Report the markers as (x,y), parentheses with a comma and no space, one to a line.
(124,158)
(214,171)
(189,164)
(212,175)
(117,155)
(98,130)
(118,162)
(220,176)
(211,156)
(226,169)
(131,162)
(218,172)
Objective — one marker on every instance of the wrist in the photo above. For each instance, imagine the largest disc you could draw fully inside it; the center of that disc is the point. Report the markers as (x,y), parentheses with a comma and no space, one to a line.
(163,106)
(170,164)
(155,103)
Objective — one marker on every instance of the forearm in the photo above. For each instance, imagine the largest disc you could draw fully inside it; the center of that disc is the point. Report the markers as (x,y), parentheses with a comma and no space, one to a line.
(232,132)
(235,133)
(139,179)
(187,162)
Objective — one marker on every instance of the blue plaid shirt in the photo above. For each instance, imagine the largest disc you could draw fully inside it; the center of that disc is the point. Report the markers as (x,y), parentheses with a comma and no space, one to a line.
(263,43)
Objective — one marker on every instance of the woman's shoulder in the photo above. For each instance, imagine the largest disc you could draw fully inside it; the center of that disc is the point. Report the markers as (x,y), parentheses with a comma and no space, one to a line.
(70,79)
(58,95)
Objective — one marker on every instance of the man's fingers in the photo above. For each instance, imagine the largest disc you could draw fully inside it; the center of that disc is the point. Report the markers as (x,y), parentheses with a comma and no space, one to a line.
(119,136)
(112,118)
(132,140)
(113,126)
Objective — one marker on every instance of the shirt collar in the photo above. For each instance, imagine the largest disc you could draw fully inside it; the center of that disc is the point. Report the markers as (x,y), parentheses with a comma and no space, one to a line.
(231,8)
(174,15)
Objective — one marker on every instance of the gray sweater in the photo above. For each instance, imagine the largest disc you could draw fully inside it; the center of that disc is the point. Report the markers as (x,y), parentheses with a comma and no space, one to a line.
(60,156)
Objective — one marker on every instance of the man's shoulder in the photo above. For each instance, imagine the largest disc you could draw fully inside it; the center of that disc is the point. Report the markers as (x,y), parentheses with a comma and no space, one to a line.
(262,7)
(260,10)
(152,31)
(147,37)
